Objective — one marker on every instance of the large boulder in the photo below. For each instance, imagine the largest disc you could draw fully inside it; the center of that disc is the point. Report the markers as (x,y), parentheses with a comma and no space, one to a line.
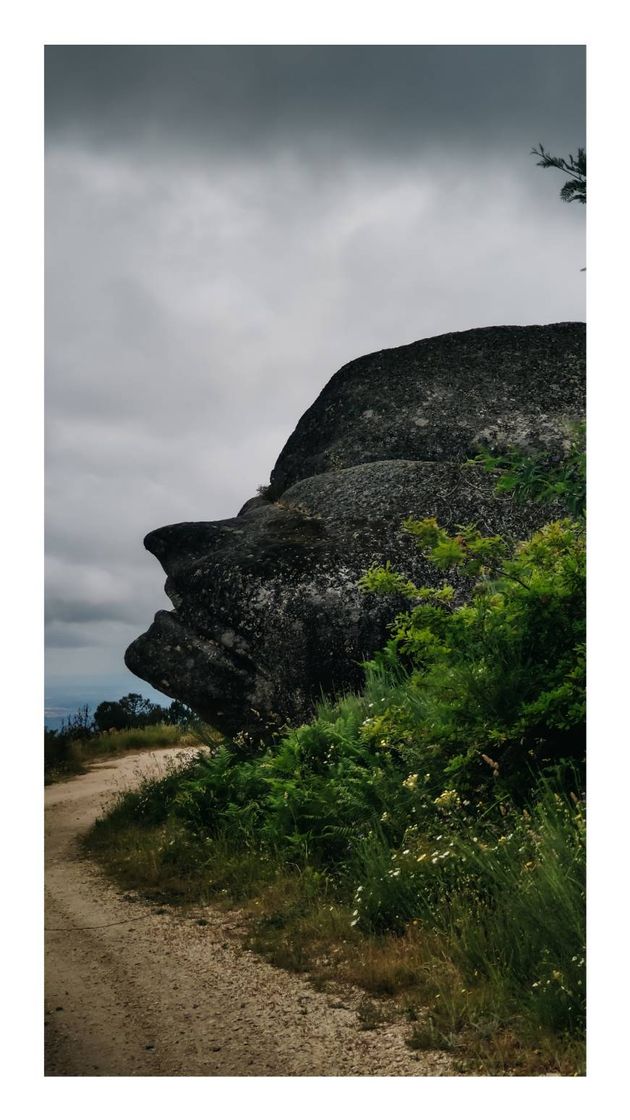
(267,614)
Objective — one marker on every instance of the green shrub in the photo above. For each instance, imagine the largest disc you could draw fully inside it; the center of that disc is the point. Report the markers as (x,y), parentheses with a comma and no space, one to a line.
(495,685)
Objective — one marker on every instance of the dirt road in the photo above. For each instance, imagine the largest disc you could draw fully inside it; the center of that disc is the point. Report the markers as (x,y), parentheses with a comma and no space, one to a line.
(136,989)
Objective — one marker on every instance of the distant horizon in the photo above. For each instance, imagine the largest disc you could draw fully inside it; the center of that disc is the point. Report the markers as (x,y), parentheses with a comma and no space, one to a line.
(63,699)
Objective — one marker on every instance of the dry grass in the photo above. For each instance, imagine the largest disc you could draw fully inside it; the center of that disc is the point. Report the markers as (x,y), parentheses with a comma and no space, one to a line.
(79,753)
(409,977)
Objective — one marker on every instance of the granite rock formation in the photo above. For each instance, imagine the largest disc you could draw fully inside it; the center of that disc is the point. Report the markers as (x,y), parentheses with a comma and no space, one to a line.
(266,611)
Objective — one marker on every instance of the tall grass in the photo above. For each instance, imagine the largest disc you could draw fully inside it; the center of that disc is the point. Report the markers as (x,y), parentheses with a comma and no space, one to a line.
(477,919)
(509,908)
(142,738)
(65,757)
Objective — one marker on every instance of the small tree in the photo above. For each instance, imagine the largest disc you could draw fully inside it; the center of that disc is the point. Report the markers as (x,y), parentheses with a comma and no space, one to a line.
(110,714)
(574,190)
(179,714)
(138,709)
(132,710)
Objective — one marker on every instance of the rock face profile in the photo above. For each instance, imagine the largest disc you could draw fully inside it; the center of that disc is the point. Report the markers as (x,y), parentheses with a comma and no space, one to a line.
(266,614)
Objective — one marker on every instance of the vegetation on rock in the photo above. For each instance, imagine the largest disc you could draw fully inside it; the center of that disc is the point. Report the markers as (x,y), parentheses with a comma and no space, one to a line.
(266,613)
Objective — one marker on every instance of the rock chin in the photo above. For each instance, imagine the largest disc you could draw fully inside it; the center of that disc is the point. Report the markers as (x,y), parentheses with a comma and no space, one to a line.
(267,614)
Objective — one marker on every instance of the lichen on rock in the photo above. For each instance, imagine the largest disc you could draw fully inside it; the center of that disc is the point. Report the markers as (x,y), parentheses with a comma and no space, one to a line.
(266,613)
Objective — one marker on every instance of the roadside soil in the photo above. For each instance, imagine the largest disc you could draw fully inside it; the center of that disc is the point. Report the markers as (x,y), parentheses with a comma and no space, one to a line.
(137,989)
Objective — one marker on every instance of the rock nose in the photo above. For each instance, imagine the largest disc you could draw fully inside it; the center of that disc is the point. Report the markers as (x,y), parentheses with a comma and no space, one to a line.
(188,539)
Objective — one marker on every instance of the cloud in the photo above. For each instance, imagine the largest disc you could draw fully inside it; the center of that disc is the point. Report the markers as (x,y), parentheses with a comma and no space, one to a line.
(208,101)
(227,228)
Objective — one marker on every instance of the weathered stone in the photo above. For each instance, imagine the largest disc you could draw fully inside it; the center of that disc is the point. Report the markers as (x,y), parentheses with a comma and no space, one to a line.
(267,615)
(438,399)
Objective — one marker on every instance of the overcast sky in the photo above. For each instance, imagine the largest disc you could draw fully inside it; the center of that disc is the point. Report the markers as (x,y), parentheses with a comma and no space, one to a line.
(226,227)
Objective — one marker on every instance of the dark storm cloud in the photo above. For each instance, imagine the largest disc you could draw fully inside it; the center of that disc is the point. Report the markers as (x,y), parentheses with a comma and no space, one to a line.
(382,99)
(226,227)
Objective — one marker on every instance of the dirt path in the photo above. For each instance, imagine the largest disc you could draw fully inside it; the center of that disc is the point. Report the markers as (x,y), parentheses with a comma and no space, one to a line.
(147,991)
